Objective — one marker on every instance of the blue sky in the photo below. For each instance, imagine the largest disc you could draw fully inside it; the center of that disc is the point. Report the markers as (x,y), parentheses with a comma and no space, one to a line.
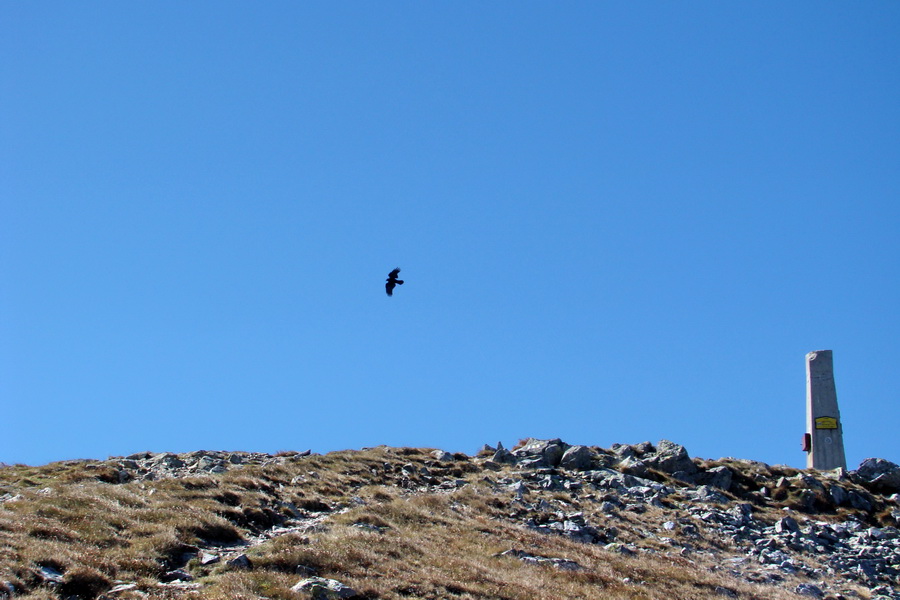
(617,222)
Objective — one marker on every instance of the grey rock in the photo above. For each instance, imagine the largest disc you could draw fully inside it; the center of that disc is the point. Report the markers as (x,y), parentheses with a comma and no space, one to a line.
(867,571)
(324,589)
(7,590)
(208,463)
(502,455)
(118,589)
(705,493)
(550,452)
(887,533)
(773,557)
(717,477)
(177,575)
(634,466)
(368,527)
(838,495)
(50,575)
(881,475)
(685,476)
(532,462)
(671,458)
(519,488)
(743,511)
(808,589)
(885,592)
(623,450)
(167,459)
(577,458)
(620,549)
(860,501)
(241,562)
(442,456)
(559,563)
(572,485)
(871,468)
(644,448)
(609,507)
(787,525)
(724,591)
(207,558)
(624,481)
(807,482)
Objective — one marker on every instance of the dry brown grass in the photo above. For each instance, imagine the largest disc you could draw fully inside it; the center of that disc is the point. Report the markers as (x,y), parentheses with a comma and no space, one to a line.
(382,538)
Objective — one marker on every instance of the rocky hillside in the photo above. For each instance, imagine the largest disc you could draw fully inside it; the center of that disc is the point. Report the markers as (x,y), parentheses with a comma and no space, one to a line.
(544,520)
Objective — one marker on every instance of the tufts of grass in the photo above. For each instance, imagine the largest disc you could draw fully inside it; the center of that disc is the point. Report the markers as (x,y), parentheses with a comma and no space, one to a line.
(419,544)
(84,583)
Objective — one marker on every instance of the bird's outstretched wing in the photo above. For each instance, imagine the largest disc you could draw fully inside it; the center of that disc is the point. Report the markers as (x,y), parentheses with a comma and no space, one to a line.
(392,281)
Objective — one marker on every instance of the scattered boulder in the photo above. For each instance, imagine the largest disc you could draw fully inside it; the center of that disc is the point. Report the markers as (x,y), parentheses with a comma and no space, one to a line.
(860,500)
(644,448)
(241,562)
(486,450)
(706,494)
(50,575)
(176,575)
(540,453)
(502,455)
(671,458)
(808,589)
(717,477)
(442,456)
(7,590)
(122,588)
(838,495)
(577,458)
(787,525)
(167,459)
(559,563)
(879,475)
(632,465)
(319,588)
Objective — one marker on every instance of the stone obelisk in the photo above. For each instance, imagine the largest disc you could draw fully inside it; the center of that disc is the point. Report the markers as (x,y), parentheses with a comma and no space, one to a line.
(824,439)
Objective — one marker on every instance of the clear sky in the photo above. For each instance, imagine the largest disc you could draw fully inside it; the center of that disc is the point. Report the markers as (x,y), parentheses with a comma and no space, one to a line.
(617,222)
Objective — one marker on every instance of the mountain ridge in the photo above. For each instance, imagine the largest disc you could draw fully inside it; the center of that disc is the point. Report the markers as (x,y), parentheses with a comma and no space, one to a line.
(544,519)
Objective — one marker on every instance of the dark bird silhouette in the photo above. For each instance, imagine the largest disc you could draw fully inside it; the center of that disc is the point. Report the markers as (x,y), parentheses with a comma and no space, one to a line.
(392,281)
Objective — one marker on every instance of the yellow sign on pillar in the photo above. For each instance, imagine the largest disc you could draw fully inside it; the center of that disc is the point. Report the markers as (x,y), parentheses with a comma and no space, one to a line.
(826,423)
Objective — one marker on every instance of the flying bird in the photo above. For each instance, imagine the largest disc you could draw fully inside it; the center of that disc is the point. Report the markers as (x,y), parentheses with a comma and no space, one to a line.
(392,281)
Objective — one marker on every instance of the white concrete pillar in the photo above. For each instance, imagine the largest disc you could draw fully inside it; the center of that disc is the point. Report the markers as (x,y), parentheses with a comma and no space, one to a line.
(824,440)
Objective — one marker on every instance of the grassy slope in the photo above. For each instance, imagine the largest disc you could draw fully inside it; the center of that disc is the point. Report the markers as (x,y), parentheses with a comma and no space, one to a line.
(72,518)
